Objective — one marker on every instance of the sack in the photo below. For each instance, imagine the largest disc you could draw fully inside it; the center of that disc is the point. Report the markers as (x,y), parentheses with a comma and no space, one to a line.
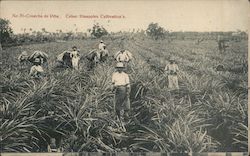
(60,57)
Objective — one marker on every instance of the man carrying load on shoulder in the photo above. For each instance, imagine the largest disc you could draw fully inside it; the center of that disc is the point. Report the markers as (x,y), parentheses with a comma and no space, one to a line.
(123,56)
(36,70)
(23,58)
(41,56)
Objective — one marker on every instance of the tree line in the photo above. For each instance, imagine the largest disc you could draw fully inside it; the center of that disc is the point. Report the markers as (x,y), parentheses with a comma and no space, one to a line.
(153,31)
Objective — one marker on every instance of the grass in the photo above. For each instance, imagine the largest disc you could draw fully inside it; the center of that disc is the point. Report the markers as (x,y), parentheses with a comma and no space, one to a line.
(208,114)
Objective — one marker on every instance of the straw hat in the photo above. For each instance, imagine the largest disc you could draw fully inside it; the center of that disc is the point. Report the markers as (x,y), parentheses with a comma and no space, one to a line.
(119,65)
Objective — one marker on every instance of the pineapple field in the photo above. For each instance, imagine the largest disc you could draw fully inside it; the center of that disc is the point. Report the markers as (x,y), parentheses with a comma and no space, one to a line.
(207,114)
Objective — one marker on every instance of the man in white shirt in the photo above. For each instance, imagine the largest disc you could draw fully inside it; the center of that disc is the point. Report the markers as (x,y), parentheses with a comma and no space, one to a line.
(103,55)
(75,57)
(101,45)
(172,70)
(121,87)
(36,70)
(122,56)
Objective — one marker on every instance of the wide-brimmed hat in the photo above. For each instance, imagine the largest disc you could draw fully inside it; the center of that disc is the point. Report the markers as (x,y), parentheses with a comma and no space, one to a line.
(74,47)
(119,65)
(101,41)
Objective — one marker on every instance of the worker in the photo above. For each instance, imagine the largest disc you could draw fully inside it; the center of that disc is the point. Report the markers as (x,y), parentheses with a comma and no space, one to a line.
(75,57)
(103,54)
(23,58)
(101,45)
(123,56)
(36,70)
(172,70)
(121,88)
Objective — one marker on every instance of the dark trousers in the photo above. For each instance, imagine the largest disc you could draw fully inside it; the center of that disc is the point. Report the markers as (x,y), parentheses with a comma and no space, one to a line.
(122,101)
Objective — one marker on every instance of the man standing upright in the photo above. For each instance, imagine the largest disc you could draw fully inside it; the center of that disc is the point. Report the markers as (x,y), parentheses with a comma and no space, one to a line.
(172,69)
(103,54)
(74,55)
(101,45)
(222,43)
(121,87)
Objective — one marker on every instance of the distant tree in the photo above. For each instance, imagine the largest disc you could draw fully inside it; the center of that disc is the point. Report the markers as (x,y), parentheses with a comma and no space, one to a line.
(155,31)
(98,31)
(5,31)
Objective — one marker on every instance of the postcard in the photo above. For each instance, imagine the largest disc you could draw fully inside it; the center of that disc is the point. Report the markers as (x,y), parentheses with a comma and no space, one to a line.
(124,77)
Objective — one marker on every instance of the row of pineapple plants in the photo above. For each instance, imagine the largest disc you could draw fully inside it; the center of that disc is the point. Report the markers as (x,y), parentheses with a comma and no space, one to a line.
(76,107)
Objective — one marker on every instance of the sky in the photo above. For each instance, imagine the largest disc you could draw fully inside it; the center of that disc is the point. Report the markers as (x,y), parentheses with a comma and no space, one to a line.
(173,15)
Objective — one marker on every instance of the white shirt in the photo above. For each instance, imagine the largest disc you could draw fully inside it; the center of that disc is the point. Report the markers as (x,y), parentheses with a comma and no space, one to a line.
(74,54)
(120,79)
(101,46)
(127,55)
(34,69)
(121,57)
(172,68)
